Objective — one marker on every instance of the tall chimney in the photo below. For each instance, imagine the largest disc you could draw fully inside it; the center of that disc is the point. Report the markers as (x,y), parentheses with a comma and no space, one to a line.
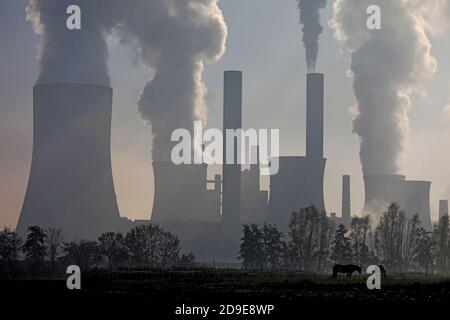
(314,115)
(70,184)
(232,119)
(346,209)
(443,208)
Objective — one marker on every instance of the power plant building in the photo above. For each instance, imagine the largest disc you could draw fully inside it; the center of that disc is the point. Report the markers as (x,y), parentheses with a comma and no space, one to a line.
(71,184)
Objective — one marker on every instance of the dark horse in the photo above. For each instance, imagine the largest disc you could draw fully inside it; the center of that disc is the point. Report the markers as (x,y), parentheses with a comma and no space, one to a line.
(383,271)
(348,269)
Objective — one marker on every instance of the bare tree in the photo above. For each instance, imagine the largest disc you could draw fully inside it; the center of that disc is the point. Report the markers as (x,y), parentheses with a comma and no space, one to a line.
(310,233)
(441,238)
(425,250)
(411,242)
(325,234)
(390,236)
(169,250)
(53,243)
(359,233)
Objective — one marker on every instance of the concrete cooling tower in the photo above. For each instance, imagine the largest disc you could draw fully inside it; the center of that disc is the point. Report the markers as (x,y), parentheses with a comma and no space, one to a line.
(180,192)
(412,196)
(71,184)
(299,182)
(443,208)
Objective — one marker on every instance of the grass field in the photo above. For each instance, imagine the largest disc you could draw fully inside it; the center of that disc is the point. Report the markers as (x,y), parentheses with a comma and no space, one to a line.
(287,291)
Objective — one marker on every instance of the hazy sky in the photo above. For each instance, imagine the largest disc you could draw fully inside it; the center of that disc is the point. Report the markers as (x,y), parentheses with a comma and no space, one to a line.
(265,42)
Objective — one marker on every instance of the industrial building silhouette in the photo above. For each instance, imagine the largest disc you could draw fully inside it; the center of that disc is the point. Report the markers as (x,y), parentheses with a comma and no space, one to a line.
(71,184)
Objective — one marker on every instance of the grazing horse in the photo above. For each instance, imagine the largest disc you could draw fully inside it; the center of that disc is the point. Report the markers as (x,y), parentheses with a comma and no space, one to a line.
(383,271)
(348,269)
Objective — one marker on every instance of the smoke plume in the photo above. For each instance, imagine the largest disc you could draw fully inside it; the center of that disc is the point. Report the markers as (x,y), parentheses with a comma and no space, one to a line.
(175,39)
(310,19)
(71,56)
(172,38)
(387,65)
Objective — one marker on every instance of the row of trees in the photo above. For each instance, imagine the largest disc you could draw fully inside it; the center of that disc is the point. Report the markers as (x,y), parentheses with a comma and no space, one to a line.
(307,248)
(404,245)
(314,243)
(144,246)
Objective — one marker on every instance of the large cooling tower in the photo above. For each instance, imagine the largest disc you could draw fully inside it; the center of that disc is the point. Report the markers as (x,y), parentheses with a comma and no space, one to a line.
(380,190)
(299,182)
(443,208)
(417,201)
(412,196)
(232,119)
(180,192)
(70,184)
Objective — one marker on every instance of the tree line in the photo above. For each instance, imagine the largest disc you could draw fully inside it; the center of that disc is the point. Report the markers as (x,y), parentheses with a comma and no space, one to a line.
(44,251)
(314,243)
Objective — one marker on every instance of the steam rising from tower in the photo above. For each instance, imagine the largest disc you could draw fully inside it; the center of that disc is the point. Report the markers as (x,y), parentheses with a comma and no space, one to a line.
(387,65)
(310,19)
(71,56)
(175,39)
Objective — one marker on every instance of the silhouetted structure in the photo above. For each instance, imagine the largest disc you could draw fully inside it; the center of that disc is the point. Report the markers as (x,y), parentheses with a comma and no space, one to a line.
(231,172)
(346,204)
(208,221)
(412,196)
(70,184)
(443,208)
(299,182)
(254,201)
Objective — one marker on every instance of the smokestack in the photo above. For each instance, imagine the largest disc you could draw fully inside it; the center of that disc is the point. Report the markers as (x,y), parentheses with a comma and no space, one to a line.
(346,215)
(232,119)
(71,184)
(443,208)
(314,115)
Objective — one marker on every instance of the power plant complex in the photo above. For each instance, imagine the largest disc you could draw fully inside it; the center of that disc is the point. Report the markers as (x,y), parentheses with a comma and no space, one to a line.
(71,184)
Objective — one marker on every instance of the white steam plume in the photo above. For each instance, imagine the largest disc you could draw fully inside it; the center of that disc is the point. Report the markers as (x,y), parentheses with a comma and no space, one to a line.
(71,56)
(176,39)
(310,19)
(387,65)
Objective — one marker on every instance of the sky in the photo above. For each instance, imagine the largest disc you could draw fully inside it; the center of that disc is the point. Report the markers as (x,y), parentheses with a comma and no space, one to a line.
(265,42)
